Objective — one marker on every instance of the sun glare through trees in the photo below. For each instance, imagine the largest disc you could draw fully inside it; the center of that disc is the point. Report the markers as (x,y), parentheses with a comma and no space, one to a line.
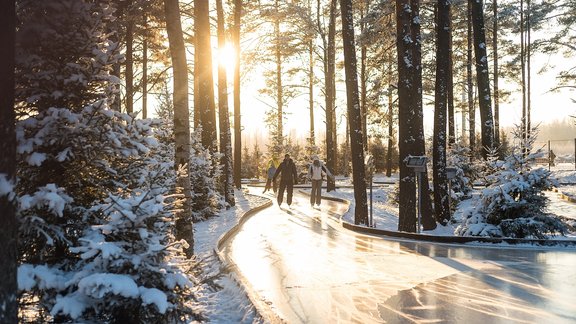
(135,135)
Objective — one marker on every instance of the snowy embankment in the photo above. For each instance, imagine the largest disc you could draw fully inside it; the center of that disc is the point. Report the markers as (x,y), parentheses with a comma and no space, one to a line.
(223,299)
(385,211)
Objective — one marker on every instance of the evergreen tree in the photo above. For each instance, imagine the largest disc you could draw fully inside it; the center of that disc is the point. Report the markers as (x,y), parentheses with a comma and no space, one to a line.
(443,59)
(237,116)
(181,119)
(410,122)
(204,104)
(60,66)
(513,205)
(97,218)
(328,36)
(354,115)
(224,118)
(205,170)
(481,59)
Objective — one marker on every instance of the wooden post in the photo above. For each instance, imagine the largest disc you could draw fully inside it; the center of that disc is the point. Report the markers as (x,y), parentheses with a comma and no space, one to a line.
(549,156)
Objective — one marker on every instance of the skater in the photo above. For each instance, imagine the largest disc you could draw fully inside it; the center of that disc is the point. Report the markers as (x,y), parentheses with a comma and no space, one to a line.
(270,182)
(316,174)
(288,179)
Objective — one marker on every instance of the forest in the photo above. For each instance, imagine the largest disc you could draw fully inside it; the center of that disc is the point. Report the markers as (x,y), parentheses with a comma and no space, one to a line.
(118,135)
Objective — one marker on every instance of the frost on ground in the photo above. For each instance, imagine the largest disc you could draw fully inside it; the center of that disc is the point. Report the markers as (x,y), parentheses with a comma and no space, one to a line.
(223,299)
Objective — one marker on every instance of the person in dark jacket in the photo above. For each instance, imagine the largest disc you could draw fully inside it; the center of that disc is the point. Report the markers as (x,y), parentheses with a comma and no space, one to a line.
(288,179)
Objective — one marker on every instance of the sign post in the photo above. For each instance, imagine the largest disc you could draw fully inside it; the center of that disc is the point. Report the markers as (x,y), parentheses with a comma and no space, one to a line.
(418,163)
(369,162)
(450,174)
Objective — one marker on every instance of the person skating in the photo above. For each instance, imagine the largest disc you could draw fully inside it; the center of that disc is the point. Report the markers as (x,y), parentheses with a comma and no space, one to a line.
(288,179)
(270,182)
(316,174)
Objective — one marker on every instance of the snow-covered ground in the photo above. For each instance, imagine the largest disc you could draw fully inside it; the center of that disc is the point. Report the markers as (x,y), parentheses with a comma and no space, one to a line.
(227,302)
(385,213)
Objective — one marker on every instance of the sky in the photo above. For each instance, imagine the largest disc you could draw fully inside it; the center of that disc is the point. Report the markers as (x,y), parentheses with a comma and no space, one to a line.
(547,107)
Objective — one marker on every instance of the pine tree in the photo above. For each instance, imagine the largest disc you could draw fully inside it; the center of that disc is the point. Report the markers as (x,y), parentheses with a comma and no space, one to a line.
(481,59)
(181,119)
(104,244)
(513,205)
(410,123)
(237,115)
(57,65)
(443,31)
(224,118)
(204,104)
(354,115)
(329,60)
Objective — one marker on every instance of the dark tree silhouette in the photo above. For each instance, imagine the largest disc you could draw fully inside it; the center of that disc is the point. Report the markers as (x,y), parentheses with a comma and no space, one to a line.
(237,116)
(206,107)
(181,119)
(354,114)
(329,53)
(224,120)
(410,116)
(482,77)
(443,31)
(8,222)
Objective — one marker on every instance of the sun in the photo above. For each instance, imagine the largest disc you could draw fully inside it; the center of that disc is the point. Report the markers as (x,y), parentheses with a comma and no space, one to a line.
(227,57)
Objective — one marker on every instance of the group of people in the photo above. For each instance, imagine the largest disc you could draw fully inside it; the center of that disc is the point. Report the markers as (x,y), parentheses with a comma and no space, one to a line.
(288,174)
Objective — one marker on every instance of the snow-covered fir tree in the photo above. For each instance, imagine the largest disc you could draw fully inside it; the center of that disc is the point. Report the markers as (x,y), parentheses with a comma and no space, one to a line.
(205,169)
(513,204)
(64,54)
(96,187)
(97,241)
(458,157)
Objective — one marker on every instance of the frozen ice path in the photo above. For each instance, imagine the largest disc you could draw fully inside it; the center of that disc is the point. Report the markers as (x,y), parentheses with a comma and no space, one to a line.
(301,266)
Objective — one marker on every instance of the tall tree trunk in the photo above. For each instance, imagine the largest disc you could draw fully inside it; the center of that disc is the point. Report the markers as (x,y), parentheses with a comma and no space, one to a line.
(496,75)
(116,37)
(205,83)
(528,68)
(406,131)
(311,86)
(184,230)
(129,62)
(197,113)
(443,31)
(224,119)
(279,90)
(450,93)
(523,70)
(330,79)
(482,77)
(145,66)
(428,222)
(363,78)
(237,119)
(410,122)
(469,88)
(8,221)
(390,116)
(354,115)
